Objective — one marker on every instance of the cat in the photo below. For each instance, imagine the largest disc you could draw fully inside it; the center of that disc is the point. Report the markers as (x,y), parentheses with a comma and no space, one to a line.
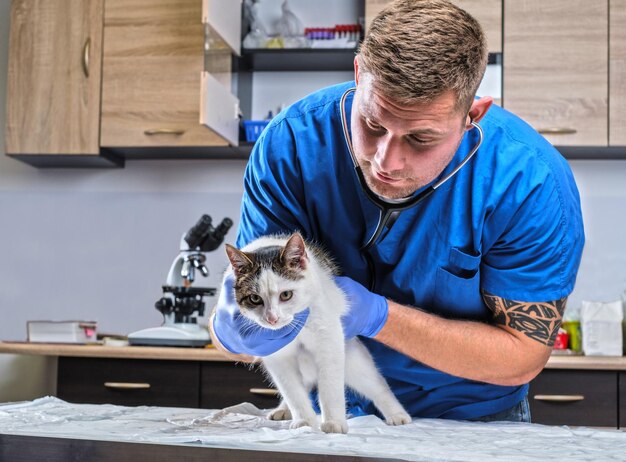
(276,277)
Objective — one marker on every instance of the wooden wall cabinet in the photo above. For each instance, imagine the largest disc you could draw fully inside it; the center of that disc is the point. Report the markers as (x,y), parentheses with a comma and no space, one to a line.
(617,76)
(91,82)
(54,77)
(487,12)
(555,73)
(153,59)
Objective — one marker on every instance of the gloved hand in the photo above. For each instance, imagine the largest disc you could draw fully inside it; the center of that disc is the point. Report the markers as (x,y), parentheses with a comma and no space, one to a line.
(239,335)
(368,311)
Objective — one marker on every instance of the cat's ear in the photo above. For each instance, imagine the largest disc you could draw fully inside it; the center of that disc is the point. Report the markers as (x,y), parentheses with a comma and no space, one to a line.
(241,262)
(294,253)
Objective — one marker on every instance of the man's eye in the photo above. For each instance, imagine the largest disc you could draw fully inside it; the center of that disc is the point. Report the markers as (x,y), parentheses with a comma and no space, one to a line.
(373,126)
(416,140)
(255,299)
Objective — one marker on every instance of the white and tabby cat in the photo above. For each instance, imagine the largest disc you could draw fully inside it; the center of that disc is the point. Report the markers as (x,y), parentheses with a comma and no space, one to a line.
(277,277)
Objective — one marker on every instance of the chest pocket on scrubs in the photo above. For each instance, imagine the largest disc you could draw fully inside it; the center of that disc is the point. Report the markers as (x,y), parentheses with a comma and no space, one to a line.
(457,287)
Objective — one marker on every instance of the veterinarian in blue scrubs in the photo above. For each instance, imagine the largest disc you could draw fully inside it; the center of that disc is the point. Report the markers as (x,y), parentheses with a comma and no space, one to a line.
(460,298)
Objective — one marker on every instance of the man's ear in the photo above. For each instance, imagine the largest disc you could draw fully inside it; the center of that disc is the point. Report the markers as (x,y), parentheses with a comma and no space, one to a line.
(240,261)
(478,109)
(356,69)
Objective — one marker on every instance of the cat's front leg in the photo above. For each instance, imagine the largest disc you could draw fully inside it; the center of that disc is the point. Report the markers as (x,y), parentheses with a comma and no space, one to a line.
(329,358)
(286,376)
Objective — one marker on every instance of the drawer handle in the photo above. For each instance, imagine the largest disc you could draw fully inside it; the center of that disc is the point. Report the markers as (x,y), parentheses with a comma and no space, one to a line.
(560,398)
(164,131)
(86,48)
(557,131)
(264,391)
(127,385)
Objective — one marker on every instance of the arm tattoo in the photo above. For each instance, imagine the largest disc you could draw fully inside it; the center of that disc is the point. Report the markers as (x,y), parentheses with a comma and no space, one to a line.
(538,320)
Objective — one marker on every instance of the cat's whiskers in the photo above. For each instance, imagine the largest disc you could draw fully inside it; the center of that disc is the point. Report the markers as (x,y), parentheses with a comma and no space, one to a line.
(250,329)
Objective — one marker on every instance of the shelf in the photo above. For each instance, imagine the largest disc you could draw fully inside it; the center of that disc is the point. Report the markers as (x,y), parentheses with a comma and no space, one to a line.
(295,59)
(305,59)
(242,152)
(593,152)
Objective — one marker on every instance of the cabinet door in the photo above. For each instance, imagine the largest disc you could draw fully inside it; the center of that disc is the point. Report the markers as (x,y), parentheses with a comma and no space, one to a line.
(617,85)
(153,60)
(226,384)
(487,12)
(219,108)
(567,397)
(223,18)
(556,68)
(54,76)
(129,382)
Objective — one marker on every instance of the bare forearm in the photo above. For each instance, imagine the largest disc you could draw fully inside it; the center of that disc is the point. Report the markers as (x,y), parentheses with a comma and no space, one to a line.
(472,350)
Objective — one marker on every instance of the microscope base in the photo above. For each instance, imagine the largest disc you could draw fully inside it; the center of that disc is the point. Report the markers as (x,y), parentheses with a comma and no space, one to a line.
(177,335)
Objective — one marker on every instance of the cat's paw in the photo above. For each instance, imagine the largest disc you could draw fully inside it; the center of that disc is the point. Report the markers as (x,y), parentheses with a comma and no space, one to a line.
(399,418)
(302,423)
(279,414)
(334,426)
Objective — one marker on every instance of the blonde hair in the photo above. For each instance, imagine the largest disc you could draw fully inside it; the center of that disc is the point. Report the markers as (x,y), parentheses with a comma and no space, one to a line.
(416,50)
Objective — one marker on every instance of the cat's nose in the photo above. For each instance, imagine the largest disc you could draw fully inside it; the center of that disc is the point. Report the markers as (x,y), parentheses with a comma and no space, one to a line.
(271,318)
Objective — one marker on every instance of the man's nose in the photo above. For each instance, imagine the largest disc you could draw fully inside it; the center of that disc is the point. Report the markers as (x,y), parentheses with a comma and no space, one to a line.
(389,154)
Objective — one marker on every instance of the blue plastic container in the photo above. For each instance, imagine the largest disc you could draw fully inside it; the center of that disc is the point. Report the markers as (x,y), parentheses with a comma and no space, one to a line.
(254,128)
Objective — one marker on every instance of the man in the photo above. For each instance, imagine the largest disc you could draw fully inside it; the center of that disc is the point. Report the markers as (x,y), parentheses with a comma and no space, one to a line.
(466,287)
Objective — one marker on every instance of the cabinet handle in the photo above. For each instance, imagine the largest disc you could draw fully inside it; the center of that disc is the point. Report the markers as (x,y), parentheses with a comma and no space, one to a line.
(557,131)
(127,385)
(164,131)
(264,391)
(86,48)
(560,398)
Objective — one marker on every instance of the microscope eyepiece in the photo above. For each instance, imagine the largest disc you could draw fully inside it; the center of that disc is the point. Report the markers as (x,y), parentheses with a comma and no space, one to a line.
(198,232)
(204,236)
(223,228)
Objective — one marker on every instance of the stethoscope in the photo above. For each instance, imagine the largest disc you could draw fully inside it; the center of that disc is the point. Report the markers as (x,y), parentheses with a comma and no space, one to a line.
(390,210)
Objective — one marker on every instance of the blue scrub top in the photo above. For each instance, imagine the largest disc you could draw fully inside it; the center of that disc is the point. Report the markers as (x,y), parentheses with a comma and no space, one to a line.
(508,222)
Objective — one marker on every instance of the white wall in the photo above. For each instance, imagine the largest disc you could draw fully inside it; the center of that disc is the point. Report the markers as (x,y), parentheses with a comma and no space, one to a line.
(602,275)
(97,244)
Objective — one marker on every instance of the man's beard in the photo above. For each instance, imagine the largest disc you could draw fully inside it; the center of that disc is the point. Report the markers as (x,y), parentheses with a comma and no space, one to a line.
(389,191)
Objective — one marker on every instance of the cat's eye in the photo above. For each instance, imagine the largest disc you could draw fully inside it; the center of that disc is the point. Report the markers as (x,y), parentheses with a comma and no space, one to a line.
(255,299)
(286,295)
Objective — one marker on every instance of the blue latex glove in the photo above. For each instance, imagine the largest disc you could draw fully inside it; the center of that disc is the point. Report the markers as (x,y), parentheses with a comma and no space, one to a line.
(368,311)
(239,335)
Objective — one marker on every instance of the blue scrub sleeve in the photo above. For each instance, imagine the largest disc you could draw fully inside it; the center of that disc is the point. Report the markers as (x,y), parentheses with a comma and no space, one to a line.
(537,256)
(273,195)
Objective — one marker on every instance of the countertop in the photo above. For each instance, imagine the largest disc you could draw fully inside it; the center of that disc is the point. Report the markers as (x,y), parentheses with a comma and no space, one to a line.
(101,351)
(210,354)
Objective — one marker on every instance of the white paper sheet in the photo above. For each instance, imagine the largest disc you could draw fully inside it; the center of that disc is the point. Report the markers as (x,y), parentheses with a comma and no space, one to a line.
(245,427)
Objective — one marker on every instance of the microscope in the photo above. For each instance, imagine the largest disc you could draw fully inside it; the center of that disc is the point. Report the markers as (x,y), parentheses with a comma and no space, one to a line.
(182,304)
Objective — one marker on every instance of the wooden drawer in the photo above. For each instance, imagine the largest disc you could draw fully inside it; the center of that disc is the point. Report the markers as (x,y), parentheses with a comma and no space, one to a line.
(227,384)
(161,383)
(564,397)
(622,400)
